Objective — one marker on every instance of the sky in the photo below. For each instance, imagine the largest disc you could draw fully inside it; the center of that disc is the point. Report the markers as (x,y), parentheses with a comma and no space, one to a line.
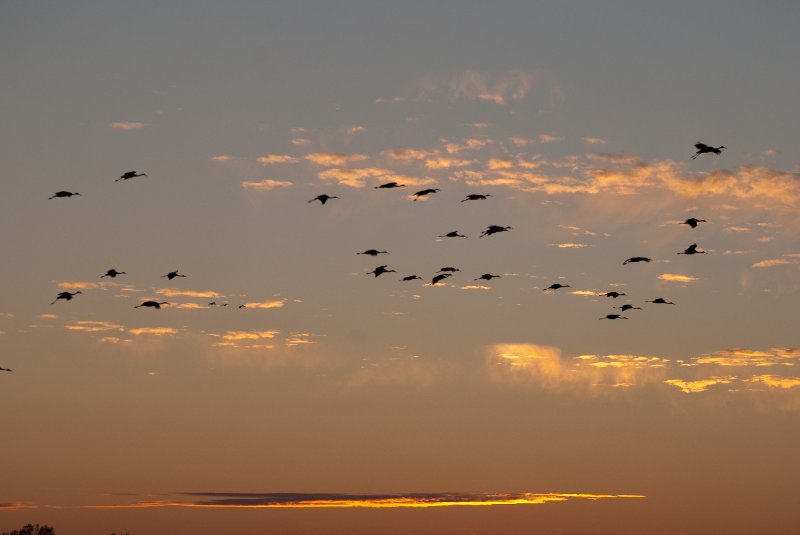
(284,387)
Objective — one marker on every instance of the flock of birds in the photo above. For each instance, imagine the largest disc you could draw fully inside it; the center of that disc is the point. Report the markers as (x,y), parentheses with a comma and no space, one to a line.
(443,273)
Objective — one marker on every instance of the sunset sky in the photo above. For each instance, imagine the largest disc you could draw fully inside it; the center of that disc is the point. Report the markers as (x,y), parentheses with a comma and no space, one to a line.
(336,401)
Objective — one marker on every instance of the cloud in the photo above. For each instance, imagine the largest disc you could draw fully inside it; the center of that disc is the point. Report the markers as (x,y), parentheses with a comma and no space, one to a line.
(547,138)
(475,287)
(519,141)
(594,140)
(85,285)
(776,381)
(128,125)
(221,158)
(301,141)
(496,163)
(94,326)
(570,245)
(446,163)
(274,303)
(334,158)
(675,277)
(249,335)
(618,159)
(406,154)
(155,331)
(48,316)
(741,357)
(267,184)
(701,385)
(502,88)
(356,129)
(771,263)
(174,292)
(271,159)
(353,178)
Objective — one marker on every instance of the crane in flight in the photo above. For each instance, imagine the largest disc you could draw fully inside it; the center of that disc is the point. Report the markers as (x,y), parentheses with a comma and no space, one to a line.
(66,296)
(374,252)
(440,277)
(452,234)
(380,270)
(63,194)
(128,175)
(613,317)
(422,193)
(323,198)
(693,221)
(487,277)
(152,304)
(111,273)
(476,197)
(660,301)
(556,286)
(635,259)
(6,370)
(702,148)
(172,274)
(410,278)
(493,229)
(611,294)
(692,249)
(390,185)
(623,308)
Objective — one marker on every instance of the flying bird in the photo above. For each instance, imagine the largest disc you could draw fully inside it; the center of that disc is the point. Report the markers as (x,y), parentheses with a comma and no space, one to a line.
(128,175)
(390,185)
(440,277)
(152,304)
(374,252)
(702,148)
(628,307)
(450,269)
(476,197)
(6,370)
(634,259)
(172,274)
(323,198)
(424,192)
(660,301)
(611,294)
(113,273)
(242,306)
(487,277)
(613,317)
(452,234)
(693,221)
(556,286)
(63,194)
(410,278)
(65,296)
(380,270)
(692,249)
(493,229)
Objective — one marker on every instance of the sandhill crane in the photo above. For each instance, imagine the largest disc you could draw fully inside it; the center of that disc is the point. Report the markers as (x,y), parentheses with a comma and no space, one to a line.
(556,286)
(65,296)
(242,306)
(611,294)
(634,259)
(493,229)
(476,197)
(440,277)
(628,307)
(487,277)
(152,304)
(424,192)
(63,194)
(448,269)
(660,301)
(374,252)
(212,304)
(692,249)
(613,317)
(410,278)
(693,221)
(390,185)
(452,234)
(323,198)
(172,274)
(380,270)
(128,175)
(113,273)
(702,148)
(6,370)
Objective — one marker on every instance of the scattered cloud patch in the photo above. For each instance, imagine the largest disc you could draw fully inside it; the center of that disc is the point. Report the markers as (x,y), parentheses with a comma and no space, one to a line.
(771,263)
(675,277)
(128,125)
(272,159)
(547,138)
(175,292)
(329,159)
(267,184)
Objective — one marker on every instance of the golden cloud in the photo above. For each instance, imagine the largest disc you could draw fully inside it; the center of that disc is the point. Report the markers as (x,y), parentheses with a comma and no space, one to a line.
(446,163)
(275,303)
(334,158)
(496,163)
(127,125)
(547,138)
(94,326)
(776,381)
(174,292)
(267,184)
(221,158)
(353,177)
(570,245)
(85,285)
(675,277)
(740,357)
(271,159)
(594,140)
(475,287)
(406,154)
(301,141)
(519,141)
(249,335)
(700,385)
(156,331)
(771,263)
(619,159)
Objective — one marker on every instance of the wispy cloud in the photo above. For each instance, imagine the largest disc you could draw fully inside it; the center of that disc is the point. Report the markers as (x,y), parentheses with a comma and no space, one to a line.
(501,88)
(354,178)
(772,262)
(155,331)
(334,158)
(272,159)
(249,335)
(700,385)
(406,154)
(570,245)
(78,285)
(221,158)
(128,125)
(548,138)
(301,141)
(272,303)
(675,277)
(446,163)
(594,140)
(777,381)
(267,184)
(93,326)
(175,292)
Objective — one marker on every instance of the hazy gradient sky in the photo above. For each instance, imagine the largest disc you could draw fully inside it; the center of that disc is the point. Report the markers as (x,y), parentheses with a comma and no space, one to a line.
(509,408)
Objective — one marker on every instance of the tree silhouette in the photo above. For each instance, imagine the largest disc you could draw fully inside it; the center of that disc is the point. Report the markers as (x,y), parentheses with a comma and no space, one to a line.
(32,529)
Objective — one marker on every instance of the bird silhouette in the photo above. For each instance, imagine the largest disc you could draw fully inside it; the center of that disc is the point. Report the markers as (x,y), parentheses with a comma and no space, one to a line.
(380,270)
(487,277)
(476,197)
(390,185)
(556,286)
(66,296)
(172,274)
(634,259)
(493,229)
(113,273)
(128,175)
(702,148)
(63,194)
(6,370)
(242,306)
(611,294)
(692,249)
(410,278)
(628,307)
(450,269)
(424,192)
(323,198)
(374,252)
(693,221)
(212,304)
(613,317)
(440,277)
(660,301)
(152,304)
(452,234)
